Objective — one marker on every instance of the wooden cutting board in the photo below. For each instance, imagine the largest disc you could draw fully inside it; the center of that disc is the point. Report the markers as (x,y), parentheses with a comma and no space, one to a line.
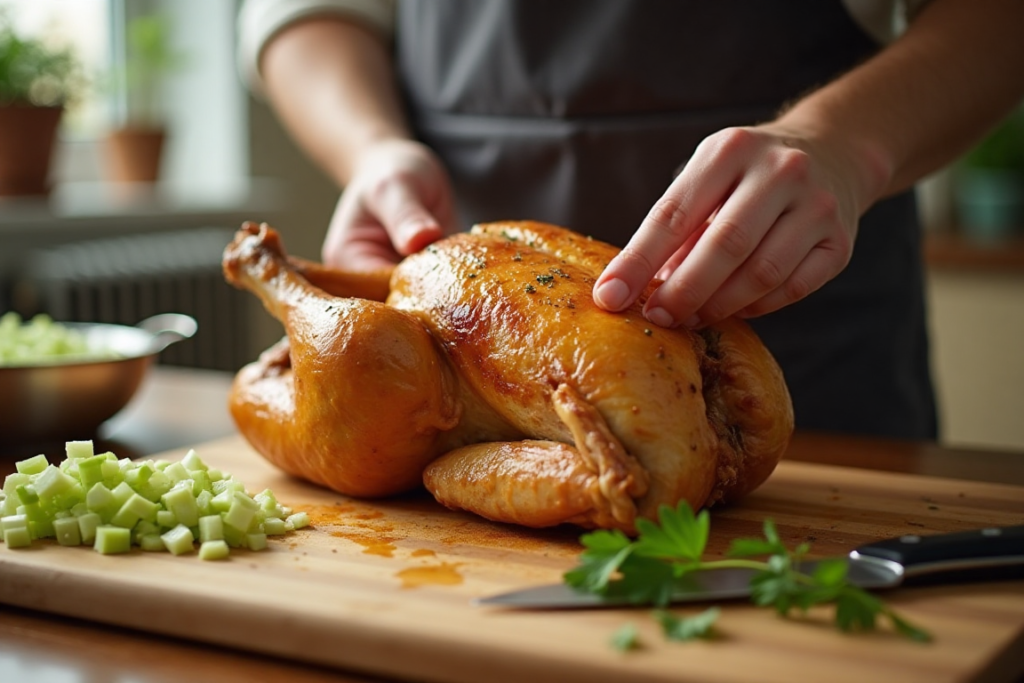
(384,587)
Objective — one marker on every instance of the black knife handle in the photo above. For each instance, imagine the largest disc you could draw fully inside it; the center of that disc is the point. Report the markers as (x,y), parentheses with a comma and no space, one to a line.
(978,549)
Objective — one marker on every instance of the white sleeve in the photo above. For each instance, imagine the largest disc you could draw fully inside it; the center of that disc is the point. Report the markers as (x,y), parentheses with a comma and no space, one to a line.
(884,20)
(261,20)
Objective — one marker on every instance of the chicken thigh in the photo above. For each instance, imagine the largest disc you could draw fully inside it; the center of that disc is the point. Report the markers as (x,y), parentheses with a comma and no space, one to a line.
(489,376)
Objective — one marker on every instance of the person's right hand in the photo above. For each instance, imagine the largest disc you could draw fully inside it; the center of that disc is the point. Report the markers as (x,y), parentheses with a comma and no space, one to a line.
(398,201)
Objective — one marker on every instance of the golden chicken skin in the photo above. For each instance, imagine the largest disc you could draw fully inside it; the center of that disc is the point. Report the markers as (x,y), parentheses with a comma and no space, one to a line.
(481,369)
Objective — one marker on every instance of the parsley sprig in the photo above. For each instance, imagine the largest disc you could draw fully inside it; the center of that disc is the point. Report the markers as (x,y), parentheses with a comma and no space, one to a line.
(647,570)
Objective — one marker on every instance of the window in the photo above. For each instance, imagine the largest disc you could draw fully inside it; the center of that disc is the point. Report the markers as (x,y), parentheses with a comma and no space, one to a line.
(83,25)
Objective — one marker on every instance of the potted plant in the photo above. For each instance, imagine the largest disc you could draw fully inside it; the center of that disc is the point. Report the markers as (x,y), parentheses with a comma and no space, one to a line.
(36,82)
(135,148)
(989,183)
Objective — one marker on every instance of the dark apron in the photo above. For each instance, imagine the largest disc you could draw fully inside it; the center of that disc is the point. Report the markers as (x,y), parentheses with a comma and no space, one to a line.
(577,112)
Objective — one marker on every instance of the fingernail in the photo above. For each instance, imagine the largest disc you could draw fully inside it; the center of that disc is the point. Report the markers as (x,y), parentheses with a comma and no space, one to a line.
(612,294)
(660,317)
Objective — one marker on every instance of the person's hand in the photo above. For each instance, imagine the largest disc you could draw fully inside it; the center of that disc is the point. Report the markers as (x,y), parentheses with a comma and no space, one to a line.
(398,202)
(759,218)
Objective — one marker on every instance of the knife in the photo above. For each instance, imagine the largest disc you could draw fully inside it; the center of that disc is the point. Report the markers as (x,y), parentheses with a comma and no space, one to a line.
(983,554)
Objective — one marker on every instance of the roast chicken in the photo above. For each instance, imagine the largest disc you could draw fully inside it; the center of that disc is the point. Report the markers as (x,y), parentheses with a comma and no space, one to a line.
(481,369)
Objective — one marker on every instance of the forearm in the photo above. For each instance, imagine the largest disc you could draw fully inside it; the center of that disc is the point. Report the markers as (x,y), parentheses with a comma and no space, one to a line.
(332,84)
(924,100)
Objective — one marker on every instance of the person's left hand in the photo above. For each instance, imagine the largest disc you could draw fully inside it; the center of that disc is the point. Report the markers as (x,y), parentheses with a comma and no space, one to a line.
(759,218)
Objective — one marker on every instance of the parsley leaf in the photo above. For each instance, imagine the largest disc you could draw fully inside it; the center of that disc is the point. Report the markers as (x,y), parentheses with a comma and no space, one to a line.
(676,627)
(605,553)
(680,536)
(649,569)
(626,638)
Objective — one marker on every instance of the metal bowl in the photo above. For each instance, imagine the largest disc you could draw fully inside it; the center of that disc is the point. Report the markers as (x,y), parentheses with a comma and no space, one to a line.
(57,401)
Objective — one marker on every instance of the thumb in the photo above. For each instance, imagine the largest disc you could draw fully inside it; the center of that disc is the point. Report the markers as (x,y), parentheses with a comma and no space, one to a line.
(408,222)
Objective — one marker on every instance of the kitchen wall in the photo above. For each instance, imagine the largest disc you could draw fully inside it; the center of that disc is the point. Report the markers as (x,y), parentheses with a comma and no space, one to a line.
(978,354)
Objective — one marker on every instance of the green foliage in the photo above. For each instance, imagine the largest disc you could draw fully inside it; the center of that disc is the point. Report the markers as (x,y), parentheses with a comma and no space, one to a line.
(680,628)
(32,72)
(151,58)
(649,569)
(1003,148)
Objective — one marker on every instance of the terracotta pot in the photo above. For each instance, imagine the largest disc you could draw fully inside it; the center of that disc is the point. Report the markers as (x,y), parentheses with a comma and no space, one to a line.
(27,134)
(134,154)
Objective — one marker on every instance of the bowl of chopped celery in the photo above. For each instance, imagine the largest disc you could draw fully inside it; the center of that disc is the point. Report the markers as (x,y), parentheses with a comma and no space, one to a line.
(61,379)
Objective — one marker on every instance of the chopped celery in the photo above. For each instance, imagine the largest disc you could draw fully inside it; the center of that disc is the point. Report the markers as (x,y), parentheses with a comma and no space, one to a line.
(134,509)
(111,540)
(256,541)
(67,531)
(13,522)
(27,494)
(76,450)
(52,481)
(211,528)
(241,513)
(17,538)
(273,526)
(112,504)
(152,543)
(299,520)
(87,525)
(33,465)
(178,540)
(191,461)
(213,550)
(166,519)
(181,502)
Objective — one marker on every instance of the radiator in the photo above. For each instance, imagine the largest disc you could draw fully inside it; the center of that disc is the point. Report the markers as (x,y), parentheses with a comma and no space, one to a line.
(125,279)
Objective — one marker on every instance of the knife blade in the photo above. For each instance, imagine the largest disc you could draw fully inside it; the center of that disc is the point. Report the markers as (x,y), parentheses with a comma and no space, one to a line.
(977,555)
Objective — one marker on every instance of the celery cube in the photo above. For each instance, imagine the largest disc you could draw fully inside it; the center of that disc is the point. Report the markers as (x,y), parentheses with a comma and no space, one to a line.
(17,538)
(234,537)
(211,528)
(34,465)
(256,541)
(222,501)
(67,531)
(27,494)
(111,473)
(138,476)
(203,502)
(176,472)
(299,520)
(181,502)
(142,529)
(152,543)
(134,509)
(241,513)
(213,550)
(77,450)
(13,522)
(100,499)
(111,540)
(87,525)
(122,492)
(192,462)
(201,482)
(166,519)
(178,540)
(41,528)
(273,526)
(90,470)
(51,482)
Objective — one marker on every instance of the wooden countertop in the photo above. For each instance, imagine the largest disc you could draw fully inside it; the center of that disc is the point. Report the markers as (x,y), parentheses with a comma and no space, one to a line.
(950,250)
(181,408)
